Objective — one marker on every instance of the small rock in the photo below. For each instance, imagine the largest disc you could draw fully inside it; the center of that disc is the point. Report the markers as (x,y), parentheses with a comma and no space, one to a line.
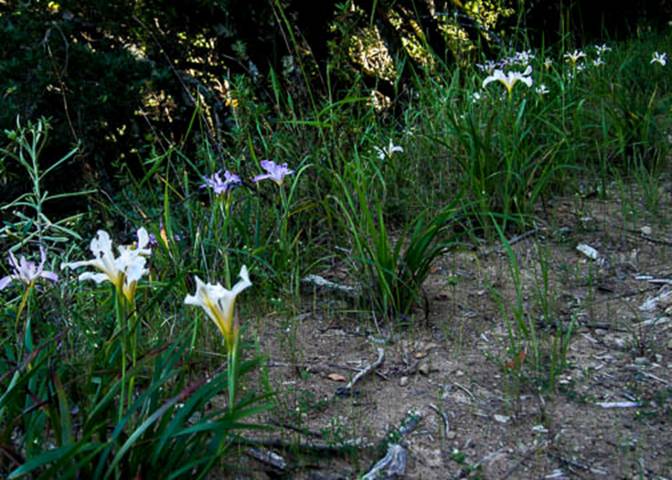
(641,361)
(424,367)
(600,331)
(588,251)
(646,230)
(459,373)
(451,435)
(403,381)
(502,418)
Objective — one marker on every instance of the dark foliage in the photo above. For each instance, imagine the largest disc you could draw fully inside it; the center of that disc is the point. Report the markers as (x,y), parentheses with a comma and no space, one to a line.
(118,77)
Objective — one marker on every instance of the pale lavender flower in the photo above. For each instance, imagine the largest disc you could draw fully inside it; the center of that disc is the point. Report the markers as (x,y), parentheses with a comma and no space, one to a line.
(219,186)
(276,172)
(523,58)
(488,67)
(26,271)
(153,242)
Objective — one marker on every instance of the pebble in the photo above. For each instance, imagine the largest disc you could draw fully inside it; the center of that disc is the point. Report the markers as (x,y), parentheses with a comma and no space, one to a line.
(403,381)
(424,368)
(641,361)
(502,418)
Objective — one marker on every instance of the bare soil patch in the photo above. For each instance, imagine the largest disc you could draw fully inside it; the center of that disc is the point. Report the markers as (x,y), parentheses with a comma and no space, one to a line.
(453,369)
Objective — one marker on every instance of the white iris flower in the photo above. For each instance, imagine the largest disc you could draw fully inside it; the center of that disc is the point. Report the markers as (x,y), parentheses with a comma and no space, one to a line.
(218,304)
(386,152)
(660,58)
(574,56)
(124,270)
(510,79)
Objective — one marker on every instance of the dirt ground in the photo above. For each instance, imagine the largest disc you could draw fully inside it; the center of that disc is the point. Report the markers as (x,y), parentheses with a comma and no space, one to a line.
(481,414)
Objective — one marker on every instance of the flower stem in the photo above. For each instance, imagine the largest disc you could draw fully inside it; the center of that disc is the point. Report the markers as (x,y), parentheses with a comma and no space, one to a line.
(120,314)
(232,373)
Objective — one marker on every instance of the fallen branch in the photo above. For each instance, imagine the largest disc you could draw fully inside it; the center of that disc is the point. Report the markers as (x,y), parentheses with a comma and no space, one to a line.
(618,404)
(347,390)
(512,241)
(341,448)
(322,283)
(393,464)
(267,457)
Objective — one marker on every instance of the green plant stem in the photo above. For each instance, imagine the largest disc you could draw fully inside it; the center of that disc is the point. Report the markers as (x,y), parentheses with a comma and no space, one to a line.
(24,305)
(232,373)
(121,326)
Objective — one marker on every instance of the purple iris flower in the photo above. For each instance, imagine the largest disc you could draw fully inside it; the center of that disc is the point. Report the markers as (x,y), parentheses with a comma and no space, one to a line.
(153,242)
(26,271)
(219,186)
(276,172)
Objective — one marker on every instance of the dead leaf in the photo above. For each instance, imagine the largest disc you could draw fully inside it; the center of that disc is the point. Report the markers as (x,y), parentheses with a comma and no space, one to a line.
(336,377)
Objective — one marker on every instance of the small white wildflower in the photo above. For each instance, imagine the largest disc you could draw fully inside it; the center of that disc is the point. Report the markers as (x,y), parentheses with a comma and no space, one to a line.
(602,49)
(660,58)
(510,79)
(386,152)
(575,56)
(542,89)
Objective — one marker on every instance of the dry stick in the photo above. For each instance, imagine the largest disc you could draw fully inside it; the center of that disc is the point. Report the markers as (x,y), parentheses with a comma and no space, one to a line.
(654,377)
(579,465)
(444,417)
(60,74)
(347,390)
(308,447)
(465,390)
(512,241)
(318,367)
(657,241)
(267,457)
(322,283)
